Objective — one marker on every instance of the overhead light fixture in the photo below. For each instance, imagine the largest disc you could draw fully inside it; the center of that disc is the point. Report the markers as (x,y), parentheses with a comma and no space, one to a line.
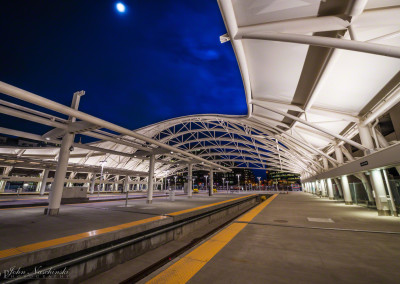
(172,152)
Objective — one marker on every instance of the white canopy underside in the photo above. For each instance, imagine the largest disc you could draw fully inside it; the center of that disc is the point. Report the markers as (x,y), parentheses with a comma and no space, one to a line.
(323,87)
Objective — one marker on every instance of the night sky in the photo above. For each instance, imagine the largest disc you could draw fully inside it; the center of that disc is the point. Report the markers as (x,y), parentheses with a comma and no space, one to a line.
(158,60)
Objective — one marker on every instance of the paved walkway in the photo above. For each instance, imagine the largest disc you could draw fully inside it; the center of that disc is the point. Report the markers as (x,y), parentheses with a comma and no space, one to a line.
(21,226)
(297,238)
(36,200)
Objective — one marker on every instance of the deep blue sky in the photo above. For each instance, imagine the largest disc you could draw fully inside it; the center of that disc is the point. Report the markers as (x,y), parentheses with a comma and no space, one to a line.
(159,60)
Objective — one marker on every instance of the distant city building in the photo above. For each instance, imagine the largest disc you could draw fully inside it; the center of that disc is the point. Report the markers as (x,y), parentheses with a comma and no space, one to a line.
(246,177)
(275,177)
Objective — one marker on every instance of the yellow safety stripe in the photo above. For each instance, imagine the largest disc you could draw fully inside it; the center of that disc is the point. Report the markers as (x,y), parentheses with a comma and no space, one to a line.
(184,269)
(67,239)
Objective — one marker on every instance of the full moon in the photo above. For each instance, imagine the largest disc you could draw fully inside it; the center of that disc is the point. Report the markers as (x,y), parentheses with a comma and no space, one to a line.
(120,7)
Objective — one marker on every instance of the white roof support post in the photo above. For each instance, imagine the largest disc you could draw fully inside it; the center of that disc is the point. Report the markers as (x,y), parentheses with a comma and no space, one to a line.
(325,163)
(339,154)
(151,179)
(92,183)
(44,181)
(57,186)
(211,176)
(190,180)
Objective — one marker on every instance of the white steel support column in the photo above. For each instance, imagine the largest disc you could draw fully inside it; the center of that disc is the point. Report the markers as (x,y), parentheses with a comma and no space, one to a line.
(346,190)
(324,189)
(325,163)
(330,189)
(318,188)
(87,184)
(116,179)
(339,154)
(151,179)
(44,181)
(190,180)
(126,184)
(58,184)
(365,137)
(339,186)
(380,193)
(366,185)
(3,183)
(210,193)
(360,176)
(376,176)
(92,183)
(39,183)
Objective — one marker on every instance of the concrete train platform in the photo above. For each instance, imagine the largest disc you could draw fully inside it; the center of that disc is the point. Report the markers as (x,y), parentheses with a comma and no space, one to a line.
(294,238)
(27,200)
(82,229)
(17,223)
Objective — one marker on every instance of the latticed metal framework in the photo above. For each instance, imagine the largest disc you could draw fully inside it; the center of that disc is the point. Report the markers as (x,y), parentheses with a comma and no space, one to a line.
(232,142)
(317,76)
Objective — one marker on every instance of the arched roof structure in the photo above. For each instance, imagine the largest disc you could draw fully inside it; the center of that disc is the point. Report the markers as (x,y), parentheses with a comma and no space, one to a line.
(313,71)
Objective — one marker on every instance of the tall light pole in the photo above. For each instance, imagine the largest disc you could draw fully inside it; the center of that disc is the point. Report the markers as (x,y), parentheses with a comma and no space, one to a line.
(206,180)
(259,183)
(238,176)
(223,181)
(101,177)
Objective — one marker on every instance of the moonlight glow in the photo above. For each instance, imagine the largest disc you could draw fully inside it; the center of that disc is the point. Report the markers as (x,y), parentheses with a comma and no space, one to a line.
(120,7)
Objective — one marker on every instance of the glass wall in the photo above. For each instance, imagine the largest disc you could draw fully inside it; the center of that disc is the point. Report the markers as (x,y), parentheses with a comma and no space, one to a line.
(358,193)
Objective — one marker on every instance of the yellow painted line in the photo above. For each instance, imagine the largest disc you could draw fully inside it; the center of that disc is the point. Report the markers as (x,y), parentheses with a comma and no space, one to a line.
(30,199)
(72,204)
(59,241)
(206,206)
(254,212)
(184,269)
(63,240)
(24,207)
